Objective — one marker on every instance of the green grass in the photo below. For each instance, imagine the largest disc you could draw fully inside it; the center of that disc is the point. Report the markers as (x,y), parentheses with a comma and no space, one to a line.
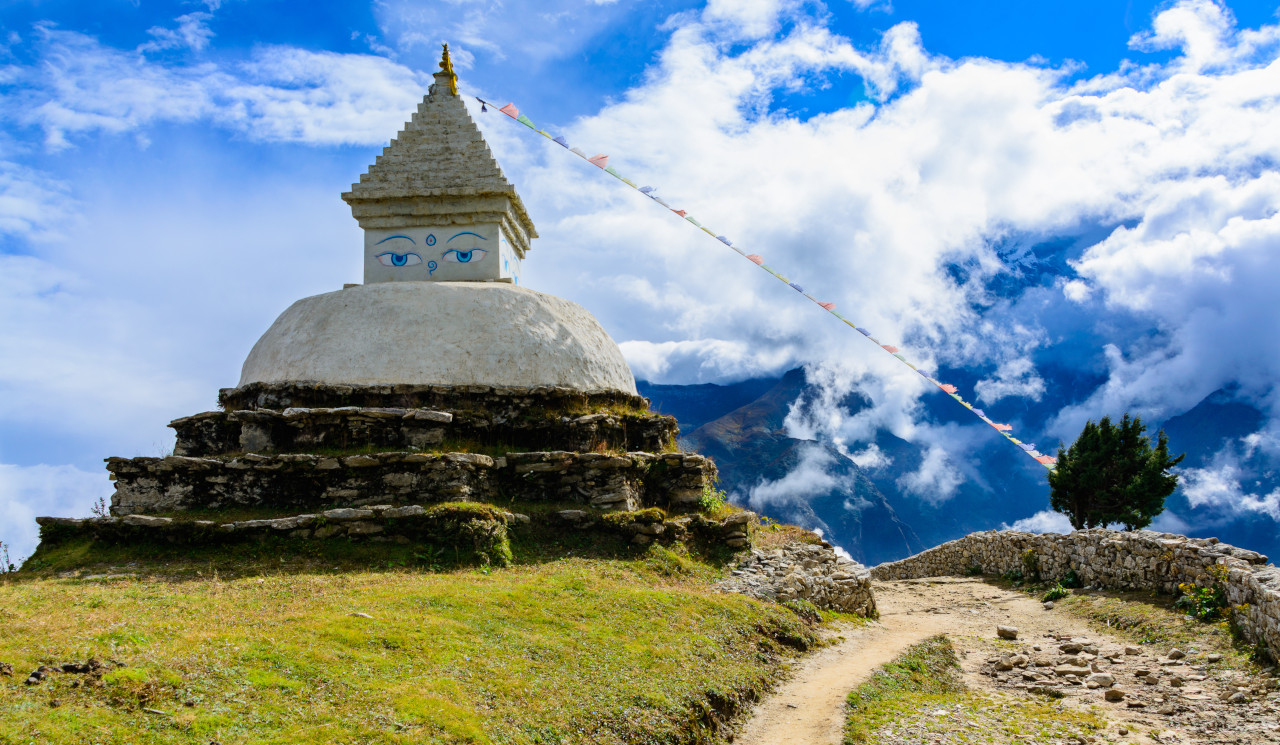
(1147,619)
(921,694)
(567,651)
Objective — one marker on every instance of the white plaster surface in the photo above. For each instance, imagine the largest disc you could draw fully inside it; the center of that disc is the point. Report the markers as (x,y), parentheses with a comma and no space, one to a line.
(452,333)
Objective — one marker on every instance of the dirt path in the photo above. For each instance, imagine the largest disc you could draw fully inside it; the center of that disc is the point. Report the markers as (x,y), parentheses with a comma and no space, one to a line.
(808,709)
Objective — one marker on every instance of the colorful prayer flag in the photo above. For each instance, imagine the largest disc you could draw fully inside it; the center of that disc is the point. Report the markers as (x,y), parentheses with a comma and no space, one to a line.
(681,213)
(948,387)
(828,306)
(894,350)
(1048,460)
(599,161)
(510,110)
(1002,427)
(759,260)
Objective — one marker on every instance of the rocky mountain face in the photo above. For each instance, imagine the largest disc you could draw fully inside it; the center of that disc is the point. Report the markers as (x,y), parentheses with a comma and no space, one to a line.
(878,513)
(805,482)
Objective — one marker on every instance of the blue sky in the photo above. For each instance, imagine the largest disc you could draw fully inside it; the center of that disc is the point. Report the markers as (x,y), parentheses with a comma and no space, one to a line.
(1070,209)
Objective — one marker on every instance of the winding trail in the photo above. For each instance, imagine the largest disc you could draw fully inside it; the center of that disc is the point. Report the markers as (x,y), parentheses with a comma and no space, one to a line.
(809,708)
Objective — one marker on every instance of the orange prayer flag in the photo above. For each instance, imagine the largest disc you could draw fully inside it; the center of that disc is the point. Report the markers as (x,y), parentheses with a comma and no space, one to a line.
(1002,427)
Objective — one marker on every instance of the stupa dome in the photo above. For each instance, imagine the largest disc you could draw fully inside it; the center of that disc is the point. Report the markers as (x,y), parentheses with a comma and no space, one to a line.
(439,333)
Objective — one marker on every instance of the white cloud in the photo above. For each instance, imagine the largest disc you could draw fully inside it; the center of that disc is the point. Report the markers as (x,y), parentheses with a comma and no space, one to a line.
(534,31)
(809,478)
(1219,488)
(32,205)
(1015,378)
(280,94)
(27,492)
(935,480)
(192,33)
(871,457)
(1041,522)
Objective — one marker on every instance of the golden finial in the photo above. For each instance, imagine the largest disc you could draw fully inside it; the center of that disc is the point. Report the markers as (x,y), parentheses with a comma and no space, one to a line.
(446,66)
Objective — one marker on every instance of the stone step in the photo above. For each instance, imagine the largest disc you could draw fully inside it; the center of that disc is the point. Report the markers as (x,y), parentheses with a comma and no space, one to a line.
(296,429)
(307,482)
(500,402)
(441,524)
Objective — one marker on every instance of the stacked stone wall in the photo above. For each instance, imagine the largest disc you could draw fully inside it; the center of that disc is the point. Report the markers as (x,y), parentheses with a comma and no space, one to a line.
(803,571)
(307,429)
(304,482)
(1118,560)
(501,402)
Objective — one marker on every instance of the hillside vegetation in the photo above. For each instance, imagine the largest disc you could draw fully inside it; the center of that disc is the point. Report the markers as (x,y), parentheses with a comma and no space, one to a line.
(623,645)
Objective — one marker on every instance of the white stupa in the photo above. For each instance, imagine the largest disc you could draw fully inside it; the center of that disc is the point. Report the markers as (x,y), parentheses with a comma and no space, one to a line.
(444,237)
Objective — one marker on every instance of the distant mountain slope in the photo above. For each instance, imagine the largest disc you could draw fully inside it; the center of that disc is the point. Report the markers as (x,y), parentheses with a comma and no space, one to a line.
(695,405)
(876,512)
(802,481)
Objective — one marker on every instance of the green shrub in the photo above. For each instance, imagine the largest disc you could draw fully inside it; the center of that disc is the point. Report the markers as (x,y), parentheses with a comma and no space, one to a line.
(712,500)
(1057,592)
(1205,603)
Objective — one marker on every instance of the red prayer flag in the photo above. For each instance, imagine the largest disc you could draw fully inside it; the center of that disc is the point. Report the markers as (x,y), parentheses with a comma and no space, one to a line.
(1002,427)
(757,259)
(894,350)
(681,213)
(600,160)
(510,110)
(1048,460)
(828,306)
(947,387)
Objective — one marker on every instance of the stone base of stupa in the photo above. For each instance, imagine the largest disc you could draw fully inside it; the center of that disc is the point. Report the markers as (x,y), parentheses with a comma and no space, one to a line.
(412,463)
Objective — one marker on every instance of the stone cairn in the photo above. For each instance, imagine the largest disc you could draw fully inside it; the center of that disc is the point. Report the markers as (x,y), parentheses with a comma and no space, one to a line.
(379,462)
(1119,560)
(811,572)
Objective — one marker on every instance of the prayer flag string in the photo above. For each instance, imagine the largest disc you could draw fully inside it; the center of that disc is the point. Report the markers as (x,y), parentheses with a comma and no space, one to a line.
(601,161)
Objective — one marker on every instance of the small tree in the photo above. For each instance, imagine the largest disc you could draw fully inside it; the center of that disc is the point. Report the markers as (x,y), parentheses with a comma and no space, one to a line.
(1111,474)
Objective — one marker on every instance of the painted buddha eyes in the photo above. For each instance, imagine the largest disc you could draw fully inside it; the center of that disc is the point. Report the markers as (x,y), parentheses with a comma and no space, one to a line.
(394,259)
(464,257)
(452,255)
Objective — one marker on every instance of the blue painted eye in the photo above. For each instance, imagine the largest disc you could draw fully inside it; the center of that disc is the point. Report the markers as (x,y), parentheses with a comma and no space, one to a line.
(394,259)
(464,257)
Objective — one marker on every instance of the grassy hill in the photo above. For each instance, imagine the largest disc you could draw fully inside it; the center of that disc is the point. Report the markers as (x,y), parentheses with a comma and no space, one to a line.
(575,643)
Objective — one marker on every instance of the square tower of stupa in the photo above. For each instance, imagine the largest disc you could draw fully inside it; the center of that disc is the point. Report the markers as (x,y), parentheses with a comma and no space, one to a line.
(435,206)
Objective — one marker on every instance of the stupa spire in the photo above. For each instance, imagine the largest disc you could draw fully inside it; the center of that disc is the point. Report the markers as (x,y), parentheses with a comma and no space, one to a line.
(446,71)
(435,205)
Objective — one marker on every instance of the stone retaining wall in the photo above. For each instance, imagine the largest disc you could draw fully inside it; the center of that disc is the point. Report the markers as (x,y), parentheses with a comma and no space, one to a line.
(295,430)
(477,528)
(307,482)
(803,571)
(481,531)
(1119,560)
